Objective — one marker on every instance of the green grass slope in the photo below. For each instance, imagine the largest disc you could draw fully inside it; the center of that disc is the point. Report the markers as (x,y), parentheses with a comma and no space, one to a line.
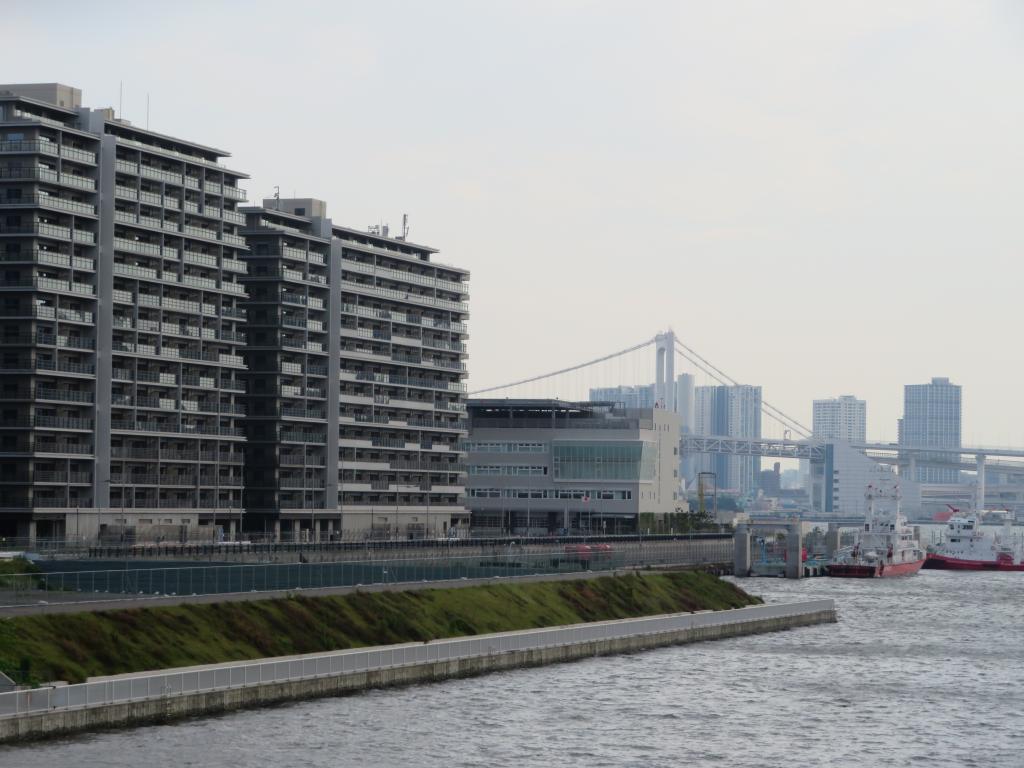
(74,646)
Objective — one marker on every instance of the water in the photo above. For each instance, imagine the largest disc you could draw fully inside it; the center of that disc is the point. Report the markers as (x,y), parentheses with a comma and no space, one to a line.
(927,670)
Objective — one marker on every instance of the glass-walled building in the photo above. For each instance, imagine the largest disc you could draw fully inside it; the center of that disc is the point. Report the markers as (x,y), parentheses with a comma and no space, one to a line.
(548,466)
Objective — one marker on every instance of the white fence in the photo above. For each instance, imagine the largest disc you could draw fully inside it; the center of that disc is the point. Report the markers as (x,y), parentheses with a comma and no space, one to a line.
(141,687)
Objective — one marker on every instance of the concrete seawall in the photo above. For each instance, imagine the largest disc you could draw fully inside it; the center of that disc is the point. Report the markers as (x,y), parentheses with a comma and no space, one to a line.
(385,666)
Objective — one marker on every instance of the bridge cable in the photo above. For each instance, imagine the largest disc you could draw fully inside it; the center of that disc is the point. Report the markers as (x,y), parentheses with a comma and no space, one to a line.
(722,377)
(635,347)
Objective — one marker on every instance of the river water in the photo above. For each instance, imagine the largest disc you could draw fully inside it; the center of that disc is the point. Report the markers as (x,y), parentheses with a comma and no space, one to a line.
(926,670)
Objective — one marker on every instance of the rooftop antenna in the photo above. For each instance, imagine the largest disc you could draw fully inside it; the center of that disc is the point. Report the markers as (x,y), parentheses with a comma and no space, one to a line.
(405,227)
(120,101)
(277,197)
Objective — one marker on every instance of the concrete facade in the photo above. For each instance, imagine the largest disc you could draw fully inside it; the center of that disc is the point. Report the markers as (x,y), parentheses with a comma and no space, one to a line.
(546,466)
(151,329)
(121,322)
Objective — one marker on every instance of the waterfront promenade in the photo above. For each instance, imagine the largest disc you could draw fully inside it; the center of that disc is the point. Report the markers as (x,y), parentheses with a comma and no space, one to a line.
(169,694)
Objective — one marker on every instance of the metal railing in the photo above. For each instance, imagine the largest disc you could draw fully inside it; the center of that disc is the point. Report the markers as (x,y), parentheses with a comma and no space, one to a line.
(357,568)
(135,688)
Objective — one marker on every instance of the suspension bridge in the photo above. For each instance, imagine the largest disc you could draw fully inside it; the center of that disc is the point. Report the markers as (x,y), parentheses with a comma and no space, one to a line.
(773,434)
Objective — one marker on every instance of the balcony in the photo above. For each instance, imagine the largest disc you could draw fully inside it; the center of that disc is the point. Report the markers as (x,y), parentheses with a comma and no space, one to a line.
(33,147)
(158,174)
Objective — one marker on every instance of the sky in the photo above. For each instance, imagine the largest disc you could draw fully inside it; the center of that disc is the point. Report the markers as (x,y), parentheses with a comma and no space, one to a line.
(821,198)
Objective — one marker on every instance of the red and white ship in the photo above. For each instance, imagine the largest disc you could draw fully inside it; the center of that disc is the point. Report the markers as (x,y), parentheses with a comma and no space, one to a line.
(966,547)
(884,547)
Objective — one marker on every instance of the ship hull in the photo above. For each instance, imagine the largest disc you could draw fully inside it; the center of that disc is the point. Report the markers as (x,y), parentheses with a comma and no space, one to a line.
(877,570)
(945,563)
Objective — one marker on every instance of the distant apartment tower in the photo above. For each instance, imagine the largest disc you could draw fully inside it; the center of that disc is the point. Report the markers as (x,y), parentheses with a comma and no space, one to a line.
(628,395)
(729,411)
(932,418)
(840,418)
(357,360)
(120,323)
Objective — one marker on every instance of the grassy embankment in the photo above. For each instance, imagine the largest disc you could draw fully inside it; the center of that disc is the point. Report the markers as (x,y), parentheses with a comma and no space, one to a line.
(74,646)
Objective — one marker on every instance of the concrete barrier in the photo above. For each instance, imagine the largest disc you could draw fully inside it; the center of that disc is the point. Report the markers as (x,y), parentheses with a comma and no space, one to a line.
(154,697)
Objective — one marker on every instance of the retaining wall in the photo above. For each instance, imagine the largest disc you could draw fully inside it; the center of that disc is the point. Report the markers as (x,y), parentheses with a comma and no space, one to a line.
(157,697)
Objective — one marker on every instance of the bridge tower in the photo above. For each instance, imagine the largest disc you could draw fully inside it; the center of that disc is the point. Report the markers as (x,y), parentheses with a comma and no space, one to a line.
(665,380)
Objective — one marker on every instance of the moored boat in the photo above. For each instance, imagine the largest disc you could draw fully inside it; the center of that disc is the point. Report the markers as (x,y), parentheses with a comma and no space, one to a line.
(884,547)
(967,547)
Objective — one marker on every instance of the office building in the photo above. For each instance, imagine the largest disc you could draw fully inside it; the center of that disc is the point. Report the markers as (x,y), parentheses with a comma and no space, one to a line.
(840,418)
(645,396)
(547,466)
(838,484)
(932,418)
(729,411)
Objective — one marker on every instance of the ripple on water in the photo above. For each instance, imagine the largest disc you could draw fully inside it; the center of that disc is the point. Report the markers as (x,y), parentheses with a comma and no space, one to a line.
(919,671)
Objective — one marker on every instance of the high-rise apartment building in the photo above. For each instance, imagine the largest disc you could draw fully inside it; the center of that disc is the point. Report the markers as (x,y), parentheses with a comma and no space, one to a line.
(356,362)
(171,360)
(840,418)
(629,395)
(931,417)
(729,411)
(120,321)
(292,402)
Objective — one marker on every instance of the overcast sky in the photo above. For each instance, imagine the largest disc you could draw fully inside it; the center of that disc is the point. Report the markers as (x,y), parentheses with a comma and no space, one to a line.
(821,197)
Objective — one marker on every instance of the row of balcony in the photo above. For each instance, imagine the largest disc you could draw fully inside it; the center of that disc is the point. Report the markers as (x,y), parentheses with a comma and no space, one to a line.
(51,231)
(175,305)
(404,276)
(28,365)
(173,353)
(169,428)
(120,400)
(46,339)
(401,317)
(405,297)
(209,481)
(176,329)
(174,454)
(192,281)
(46,422)
(50,284)
(49,175)
(403,381)
(165,378)
(182,180)
(49,258)
(173,203)
(46,147)
(52,202)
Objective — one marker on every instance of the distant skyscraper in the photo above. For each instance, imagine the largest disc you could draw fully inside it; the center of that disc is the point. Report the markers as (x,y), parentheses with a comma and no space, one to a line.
(631,396)
(729,412)
(841,418)
(931,417)
(685,407)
